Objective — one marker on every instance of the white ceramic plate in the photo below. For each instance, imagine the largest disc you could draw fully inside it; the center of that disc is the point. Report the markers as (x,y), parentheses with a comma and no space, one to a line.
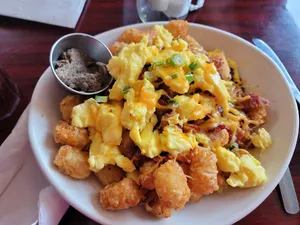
(225,208)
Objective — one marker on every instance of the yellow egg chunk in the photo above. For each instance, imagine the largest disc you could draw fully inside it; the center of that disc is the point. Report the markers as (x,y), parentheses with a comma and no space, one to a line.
(174,141)
(147,140)
(128,65)
(102,154)
(84,115)
(227,160)
(261,139)
(140,105)
(250,174)
(210,80)
(178,84)
(164,38)
(179,45)
(108,122)
(191,108)
(202,139)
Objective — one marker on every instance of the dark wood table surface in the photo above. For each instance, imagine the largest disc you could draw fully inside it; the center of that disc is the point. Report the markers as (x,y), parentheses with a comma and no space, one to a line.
(25,46)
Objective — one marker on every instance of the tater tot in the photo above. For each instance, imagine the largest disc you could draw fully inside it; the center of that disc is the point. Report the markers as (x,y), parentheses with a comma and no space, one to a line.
(67,104)
(203,173)
(178,28)
(194,46)
(68,135)
(156,207)
(171,185)
(131,35)
(109,174)
(72,162)
(146,175)
(121,195)
(135,36)
(116,47)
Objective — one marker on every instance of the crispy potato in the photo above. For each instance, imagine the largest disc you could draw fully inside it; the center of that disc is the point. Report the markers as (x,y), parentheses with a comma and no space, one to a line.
(131,35)
(203,173)
(146,175)
(178,28)
(68,135)
(116,47)
(156,207)
(110,174)
(220,61)
(67,104)
(121,195)
(72,162)
(127,146)
(171,185)
(135,36)
(194,46)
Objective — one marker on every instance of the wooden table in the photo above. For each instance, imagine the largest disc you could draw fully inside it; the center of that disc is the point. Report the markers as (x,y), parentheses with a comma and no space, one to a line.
(25,46)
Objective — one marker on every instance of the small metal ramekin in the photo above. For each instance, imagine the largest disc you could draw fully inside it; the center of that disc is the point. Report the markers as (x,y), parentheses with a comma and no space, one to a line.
(94,48)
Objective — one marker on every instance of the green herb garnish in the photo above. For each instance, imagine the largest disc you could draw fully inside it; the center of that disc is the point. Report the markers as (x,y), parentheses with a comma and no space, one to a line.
(177,60)
(174,76)
(172,101)
(234,145)
(99,98)
(193,65)
(190,77)
(125,90)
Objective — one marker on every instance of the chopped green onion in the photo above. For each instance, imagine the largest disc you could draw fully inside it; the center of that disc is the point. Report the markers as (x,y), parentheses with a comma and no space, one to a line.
(172,101)
(99,98)
(174,76)
(235,145)
(193,65)
(190,78)
(177,60)
(150,76)
(125,90)
(168,61)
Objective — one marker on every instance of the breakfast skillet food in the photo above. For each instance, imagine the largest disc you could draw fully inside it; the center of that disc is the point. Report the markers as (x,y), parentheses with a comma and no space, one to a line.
(177,125)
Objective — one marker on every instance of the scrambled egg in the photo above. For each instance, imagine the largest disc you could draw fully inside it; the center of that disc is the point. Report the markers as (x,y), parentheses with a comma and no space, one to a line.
(147,140)
(104,118)
(210,80)
(262,139)
(174,141)
(227,160)
(102,154)
(195,106)
(250,173)
(140,105)
(108,121)
(164,38)
(84,115)
(128,65)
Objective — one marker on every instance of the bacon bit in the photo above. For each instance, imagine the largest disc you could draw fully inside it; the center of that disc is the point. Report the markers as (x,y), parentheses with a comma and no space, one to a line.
(256,107)
(187,127)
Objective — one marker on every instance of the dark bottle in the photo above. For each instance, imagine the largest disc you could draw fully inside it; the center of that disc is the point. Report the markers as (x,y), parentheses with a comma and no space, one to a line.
(9,95)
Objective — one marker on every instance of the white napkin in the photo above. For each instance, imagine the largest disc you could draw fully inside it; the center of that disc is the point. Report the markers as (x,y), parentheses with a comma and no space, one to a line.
(57,12)
(21,182)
